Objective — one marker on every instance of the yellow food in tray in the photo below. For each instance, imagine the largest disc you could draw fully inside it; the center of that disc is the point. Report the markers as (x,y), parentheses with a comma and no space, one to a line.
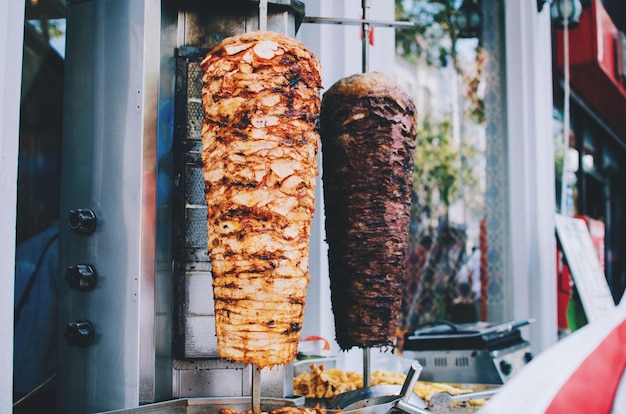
(321,382)
(325,383)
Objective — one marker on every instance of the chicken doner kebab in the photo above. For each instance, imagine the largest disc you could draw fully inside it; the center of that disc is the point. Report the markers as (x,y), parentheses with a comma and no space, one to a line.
(260,142)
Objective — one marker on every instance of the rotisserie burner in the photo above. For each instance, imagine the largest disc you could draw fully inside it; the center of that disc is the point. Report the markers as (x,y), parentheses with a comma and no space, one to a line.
(476,353)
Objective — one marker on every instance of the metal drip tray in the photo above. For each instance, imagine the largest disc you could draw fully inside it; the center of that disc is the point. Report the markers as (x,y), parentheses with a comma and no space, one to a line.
(211,405)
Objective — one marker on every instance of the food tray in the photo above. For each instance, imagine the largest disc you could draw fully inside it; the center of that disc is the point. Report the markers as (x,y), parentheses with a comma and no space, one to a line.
(389,363)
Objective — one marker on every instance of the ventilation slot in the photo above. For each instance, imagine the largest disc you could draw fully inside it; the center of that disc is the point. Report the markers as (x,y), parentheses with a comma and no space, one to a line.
(462,362)
(441,362)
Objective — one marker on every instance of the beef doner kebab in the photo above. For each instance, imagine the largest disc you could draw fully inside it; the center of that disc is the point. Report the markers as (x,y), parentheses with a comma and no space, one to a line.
(259,146)
(368,127)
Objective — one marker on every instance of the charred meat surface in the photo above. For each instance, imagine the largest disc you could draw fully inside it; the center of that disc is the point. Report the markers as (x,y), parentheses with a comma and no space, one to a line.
(259,150)
(368,127)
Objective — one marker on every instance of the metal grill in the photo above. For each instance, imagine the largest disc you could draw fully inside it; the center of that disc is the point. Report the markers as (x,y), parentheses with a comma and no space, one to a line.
(194,191)
(196,322)
(194,100)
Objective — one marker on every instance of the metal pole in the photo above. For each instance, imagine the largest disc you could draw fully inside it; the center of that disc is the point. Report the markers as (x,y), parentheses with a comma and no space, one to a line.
(263,15)
(366,35)
(566,114)
(366,367)
(256,389)
(256,372)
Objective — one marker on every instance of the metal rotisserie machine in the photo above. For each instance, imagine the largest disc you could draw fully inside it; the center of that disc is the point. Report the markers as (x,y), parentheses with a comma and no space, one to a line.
(135,297)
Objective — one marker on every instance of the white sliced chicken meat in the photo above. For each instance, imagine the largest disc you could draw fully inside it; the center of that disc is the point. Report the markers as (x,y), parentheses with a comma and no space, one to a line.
(260,142)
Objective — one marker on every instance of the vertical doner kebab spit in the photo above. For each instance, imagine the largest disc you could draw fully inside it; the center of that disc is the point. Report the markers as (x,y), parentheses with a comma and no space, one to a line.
(368,126)
(259,149)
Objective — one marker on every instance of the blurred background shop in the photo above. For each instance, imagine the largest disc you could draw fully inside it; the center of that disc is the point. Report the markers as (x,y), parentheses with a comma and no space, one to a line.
(521,118)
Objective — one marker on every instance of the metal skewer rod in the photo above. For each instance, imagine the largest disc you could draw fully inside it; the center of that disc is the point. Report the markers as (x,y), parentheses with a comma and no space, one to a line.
(357,22)
(256,389)
(366,367)
(256,372)
(366,35)
(263,15)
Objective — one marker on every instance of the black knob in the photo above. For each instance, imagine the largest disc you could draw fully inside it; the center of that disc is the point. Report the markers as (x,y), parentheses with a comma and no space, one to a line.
(82,221)
(79,333)
(81,277)
(527,357)
(506,367)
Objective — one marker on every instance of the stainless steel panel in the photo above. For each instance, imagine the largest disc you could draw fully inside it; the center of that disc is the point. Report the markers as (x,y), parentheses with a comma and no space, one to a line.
(200,316)
(471,366)
(164,297)
(211,405)
(215,377)
(109,166)
(203,382)
(154,362)
(203,26)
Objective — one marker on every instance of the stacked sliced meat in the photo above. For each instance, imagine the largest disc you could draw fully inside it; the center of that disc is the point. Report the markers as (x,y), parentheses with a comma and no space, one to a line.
(260,143)
(368,127)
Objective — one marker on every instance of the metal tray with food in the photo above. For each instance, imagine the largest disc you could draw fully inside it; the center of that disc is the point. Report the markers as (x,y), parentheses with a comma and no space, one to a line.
(335,388)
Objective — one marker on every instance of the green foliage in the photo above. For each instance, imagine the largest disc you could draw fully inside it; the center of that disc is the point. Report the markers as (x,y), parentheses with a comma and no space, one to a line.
(49,28)
(437,166)
(443,167)
(55,30)
(429,38)
(434,39)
